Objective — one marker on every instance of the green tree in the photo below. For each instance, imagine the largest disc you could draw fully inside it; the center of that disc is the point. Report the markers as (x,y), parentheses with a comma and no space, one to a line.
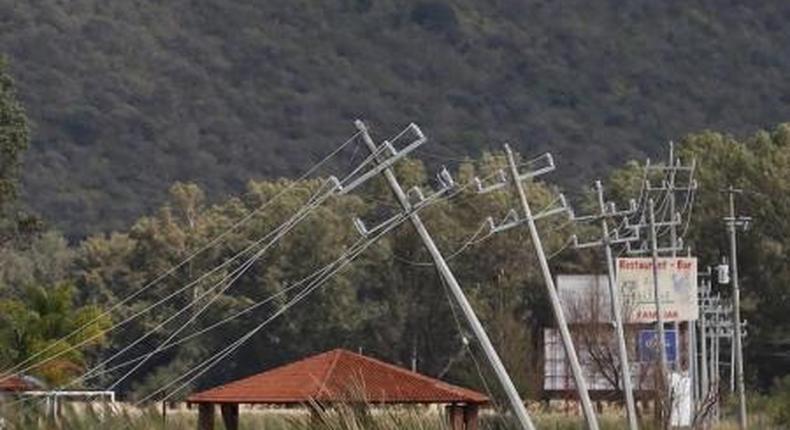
(36,323)
(13,138)
(45,259)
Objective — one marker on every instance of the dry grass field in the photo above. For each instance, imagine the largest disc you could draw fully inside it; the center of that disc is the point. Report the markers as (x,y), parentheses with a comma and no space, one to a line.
(342,419)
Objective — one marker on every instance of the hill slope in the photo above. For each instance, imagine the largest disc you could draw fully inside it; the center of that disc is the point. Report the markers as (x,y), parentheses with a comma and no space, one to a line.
(127,97)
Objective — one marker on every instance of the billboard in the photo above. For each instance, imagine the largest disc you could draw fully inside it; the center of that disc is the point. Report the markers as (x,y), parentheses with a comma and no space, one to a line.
(648,345)
(677,289)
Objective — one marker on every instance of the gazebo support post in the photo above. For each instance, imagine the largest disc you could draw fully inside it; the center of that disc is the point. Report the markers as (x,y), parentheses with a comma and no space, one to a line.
(455,414)
(205,416)
(230,415)
(470,416)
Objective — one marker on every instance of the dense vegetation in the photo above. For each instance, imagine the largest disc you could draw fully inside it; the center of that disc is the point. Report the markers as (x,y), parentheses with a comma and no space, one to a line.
(126,98)
(158,112)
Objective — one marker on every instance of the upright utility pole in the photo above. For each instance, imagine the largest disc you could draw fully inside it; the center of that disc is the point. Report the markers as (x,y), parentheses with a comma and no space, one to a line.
(705,304)
(721,328)
(516,403)
(614,296)
(673,238)
(669,186)
(732,222)
(559,315)
(717,361)
(732,362)
(664,379)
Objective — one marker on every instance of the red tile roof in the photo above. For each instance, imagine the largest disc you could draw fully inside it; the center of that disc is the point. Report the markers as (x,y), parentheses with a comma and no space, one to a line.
(337,376)
(15,383)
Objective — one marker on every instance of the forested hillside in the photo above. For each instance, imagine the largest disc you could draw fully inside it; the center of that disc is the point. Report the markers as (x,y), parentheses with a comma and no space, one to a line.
(127,97)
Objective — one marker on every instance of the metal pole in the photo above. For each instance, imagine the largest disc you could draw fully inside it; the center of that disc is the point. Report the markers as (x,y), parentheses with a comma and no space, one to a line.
(716,374)
(673,233)
(673,238)
(614,294)
(694,360)
(570,350)
(732,362)
(692,363)
(704,344)
(477,328)
(659,318)
(736,297)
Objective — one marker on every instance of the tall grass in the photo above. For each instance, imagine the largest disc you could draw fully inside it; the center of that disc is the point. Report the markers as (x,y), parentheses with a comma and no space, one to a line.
(340,417)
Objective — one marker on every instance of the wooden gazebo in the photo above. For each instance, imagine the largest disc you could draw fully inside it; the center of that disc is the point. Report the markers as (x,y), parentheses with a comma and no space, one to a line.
(335,377)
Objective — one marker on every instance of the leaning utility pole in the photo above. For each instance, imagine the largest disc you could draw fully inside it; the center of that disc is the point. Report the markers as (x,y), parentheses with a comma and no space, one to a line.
(516,403)
(559,315)
(614,296)
(732,222)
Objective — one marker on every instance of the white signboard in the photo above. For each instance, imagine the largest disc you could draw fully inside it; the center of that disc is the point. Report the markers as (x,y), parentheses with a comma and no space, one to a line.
(677,289)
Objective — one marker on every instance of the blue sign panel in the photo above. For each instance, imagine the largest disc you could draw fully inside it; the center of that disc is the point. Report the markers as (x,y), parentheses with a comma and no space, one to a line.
(648,345)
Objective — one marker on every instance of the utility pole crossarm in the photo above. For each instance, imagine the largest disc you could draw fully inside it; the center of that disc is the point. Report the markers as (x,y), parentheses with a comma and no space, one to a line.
(382,164)
(599,243)
(644,250)
(503,177)
(644,224)
(512,218)
(668,187)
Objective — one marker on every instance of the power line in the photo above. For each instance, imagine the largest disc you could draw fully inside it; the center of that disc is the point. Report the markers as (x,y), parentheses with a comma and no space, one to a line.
(161,301)
(473,239)
(408,213)
(340,262)
(467,348)
(228,281)
(317,274)
(6,373)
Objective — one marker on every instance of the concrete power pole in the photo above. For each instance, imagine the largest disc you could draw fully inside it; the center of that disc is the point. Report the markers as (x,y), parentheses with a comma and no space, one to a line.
(559,315)
(717,359)
(516,403)
(674,166)
(662,347)
(705,299)
(614,294)
(670,188)
(732,222)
